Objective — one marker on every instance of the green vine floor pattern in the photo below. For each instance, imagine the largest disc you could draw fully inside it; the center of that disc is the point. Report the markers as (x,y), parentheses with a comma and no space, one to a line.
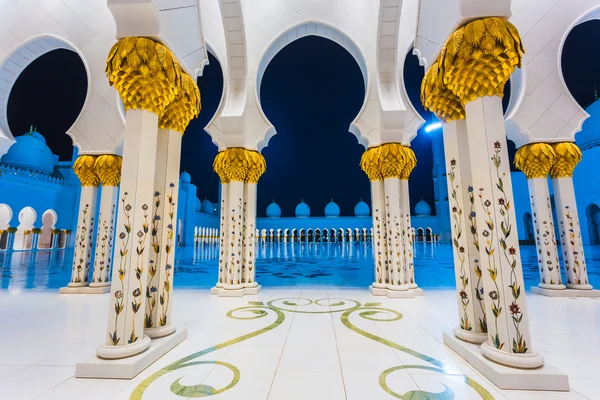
(279,308)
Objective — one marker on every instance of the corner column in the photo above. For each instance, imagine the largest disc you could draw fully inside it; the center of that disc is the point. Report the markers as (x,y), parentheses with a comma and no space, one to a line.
(108,170)
(568,156)
(407,237)
(536,160)
(84,169)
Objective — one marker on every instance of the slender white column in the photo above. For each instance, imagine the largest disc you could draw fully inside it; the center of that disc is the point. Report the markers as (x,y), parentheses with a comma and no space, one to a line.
(159,286)
(55,238)
(545,239)
(394,219)
(235,225)
(249,266)
(570,234)
(224,249)
(379,234)
(106,235)
(84,236)
(509,340)
(129,273)
(471,309)
(407,240)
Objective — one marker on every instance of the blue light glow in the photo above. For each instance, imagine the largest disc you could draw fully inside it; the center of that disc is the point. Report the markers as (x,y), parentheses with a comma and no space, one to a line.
(433,126)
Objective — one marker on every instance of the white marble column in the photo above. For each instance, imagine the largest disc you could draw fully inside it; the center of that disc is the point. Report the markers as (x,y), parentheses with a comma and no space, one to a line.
(472,325)
(509,339)
(86,221)
(568,155)
(223,238)
(55,239)
(407,240)
(235,206)
(397,280)
(125,331)
(159,285)
(108,169)
(379,234)
(249,266)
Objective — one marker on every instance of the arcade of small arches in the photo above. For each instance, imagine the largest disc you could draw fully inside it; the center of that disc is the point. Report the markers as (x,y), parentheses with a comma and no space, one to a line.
(31,234)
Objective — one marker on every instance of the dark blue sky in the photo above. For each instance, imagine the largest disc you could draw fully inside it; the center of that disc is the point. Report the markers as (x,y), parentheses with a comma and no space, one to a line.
(311,92)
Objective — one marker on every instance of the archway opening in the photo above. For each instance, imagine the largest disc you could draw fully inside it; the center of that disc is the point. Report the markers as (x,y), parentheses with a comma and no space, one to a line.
(49,94)
(49,219)
(593,223)
(23,236)
(311,91)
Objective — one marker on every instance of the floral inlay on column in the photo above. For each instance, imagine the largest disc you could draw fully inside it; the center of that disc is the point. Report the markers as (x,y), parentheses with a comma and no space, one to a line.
(165,295)
(124,237)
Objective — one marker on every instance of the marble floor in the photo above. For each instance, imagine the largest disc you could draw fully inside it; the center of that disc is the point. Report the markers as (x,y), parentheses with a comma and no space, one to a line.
(317,343)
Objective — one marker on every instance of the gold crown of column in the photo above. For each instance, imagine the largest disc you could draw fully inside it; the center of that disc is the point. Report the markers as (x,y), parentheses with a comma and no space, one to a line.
(84,169)
(239,164)
(184,108)
(145,73)
(369,163)
(568,156)
(393,160)
(476,60)
(535,160)
(108,169)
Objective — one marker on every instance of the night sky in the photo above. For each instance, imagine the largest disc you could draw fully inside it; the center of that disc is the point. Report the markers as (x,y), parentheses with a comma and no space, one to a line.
(311,91)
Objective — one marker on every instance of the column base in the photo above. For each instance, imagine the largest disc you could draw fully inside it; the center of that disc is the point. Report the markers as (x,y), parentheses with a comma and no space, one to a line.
(223,292)
(116,352)
(392,294)
(551,286)
(523,361)
(545,378)
(128,368)
(99,284)
(417,291)
(468,336)
(160,331)
(565,292)
(84,290)
(579,287)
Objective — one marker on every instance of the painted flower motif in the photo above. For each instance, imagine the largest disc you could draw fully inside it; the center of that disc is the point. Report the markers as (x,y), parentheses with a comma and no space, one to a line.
(501,201)
(463,294)
(485,233)
(454,209)
(170,226)
(118,294)
(128,207)
(168,267)
(514,308)
(145,207)
(157,193)
(153,289)
(140,234)
(487,203)
(122,235)
(461,249)
(472,215)
(512,251)
(470,189)
(497,145)
(137,292)
(494,295)
(453,162)
(157,217)
(171,184)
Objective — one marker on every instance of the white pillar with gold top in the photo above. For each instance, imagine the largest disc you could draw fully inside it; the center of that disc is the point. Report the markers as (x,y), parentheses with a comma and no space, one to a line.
(148,78)
(536,160)
(108,170)
(86,221)
(468,79)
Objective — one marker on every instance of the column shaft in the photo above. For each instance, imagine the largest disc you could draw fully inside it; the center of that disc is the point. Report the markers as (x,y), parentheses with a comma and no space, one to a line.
(508,321)
(472,322)
(159,286)
(84,236)
(394,218)
(407,240)
(570,234)
(127,298)
(379,234)
(249,266)
(235,225)
(545,240)
(224,235)
(106,234)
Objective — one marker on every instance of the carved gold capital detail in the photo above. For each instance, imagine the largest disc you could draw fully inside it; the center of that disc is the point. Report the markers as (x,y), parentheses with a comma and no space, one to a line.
(184,108)
(393,160)
(108,169)
(240,165)
(84,169)
(369,163)
(568,155)
(145,73)
(411,163)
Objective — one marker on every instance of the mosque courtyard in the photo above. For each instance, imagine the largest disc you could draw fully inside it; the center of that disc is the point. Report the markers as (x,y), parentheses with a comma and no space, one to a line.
(314,331)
